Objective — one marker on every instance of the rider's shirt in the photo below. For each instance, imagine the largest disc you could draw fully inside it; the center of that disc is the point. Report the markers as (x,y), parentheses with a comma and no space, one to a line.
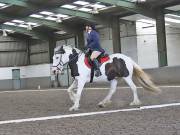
(93,41)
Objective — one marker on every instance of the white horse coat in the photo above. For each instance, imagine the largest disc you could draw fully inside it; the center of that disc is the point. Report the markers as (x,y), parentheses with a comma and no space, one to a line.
(62,57)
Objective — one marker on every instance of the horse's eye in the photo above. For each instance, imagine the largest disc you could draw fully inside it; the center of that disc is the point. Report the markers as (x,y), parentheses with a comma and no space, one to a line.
(57,57)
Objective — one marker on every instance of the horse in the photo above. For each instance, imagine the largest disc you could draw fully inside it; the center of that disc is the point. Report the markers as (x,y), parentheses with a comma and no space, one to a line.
(117,66)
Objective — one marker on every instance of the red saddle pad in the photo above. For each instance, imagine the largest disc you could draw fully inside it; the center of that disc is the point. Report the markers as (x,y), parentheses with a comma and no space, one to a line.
(101,61)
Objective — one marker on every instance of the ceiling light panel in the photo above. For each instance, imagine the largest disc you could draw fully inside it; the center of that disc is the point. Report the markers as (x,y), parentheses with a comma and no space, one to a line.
(17,21)
(10,23)
(69,6)
(10,31)
(60,32)
(51,18)
(36,16)
(46,13)
(83,3)
(23,25)
(136,0)
(85,6)
(62,15)
(3,5)
(32,23)
(85,9)
(98,6)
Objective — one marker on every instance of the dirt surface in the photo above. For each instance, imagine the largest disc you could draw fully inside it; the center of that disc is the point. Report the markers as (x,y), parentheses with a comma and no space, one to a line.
(20,105)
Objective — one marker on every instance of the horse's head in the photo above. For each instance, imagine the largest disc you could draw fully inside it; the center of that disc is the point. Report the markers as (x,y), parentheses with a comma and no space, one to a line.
(61,57)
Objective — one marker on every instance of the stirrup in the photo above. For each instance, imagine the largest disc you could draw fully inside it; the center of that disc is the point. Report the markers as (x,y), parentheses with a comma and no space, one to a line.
(97,73)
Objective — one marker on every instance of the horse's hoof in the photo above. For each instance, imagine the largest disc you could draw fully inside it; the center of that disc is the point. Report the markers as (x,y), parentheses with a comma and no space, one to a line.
(101,105)
(73,109)
(135,103)
(104,104)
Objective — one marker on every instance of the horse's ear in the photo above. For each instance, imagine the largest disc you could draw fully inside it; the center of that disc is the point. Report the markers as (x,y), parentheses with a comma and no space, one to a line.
(61,47)
(74,51)
(61,50)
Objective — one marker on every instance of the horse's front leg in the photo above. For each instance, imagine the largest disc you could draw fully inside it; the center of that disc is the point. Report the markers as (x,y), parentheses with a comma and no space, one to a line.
(70,90)
(77,96)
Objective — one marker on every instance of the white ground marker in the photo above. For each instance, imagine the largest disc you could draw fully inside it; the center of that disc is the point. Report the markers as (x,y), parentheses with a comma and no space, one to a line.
(87,114)
(92,88)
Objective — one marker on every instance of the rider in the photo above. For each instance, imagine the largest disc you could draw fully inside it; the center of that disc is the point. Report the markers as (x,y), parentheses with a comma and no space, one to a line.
(93,43)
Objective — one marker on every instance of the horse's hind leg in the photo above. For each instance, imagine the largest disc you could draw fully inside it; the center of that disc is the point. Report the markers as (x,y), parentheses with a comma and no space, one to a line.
(70,90)
(107,99)
(133,87)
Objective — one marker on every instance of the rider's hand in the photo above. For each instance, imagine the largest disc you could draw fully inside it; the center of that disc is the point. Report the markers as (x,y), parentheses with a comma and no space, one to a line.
(87,50)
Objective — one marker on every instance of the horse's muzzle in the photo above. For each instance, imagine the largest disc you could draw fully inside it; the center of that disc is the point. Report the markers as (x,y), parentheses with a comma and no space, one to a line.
(55,72)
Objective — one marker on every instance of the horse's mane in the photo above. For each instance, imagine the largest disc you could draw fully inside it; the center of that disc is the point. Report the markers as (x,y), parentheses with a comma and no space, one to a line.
(66,47)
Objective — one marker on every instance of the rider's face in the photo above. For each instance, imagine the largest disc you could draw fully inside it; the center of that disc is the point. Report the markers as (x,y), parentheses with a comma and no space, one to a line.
(88,28)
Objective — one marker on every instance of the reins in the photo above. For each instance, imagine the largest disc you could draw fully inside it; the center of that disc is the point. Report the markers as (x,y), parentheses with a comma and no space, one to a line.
(62,64)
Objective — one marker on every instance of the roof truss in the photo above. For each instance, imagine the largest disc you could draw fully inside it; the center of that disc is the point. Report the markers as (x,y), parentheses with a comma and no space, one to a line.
(129,6)
(33,34)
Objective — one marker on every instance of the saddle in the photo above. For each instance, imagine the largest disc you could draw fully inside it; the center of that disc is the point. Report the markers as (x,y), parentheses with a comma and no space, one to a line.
(101,59)
(88,62)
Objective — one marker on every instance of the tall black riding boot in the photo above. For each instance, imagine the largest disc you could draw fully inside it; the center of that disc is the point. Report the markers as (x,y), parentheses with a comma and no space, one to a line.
(96,66)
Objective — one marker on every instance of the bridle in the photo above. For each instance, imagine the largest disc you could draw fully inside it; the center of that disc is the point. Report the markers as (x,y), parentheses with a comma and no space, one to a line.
(61,62)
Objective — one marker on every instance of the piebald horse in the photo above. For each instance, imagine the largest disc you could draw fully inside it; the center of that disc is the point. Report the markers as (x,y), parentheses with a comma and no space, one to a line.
(118,66)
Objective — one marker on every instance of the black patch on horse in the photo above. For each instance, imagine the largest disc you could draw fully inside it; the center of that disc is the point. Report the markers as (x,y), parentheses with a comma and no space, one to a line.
(73,58)
(116,69)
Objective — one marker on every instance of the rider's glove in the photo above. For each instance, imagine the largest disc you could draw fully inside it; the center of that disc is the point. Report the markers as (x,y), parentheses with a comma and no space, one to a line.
(87,50)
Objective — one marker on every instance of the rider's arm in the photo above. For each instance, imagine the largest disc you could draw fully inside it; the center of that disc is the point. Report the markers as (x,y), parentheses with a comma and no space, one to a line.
(94,41)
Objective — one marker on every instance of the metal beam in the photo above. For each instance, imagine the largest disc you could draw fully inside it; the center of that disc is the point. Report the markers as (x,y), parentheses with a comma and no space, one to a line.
(80,40)
(30,5)
(52,45)
(161,38)
(24,31)
(167,3)
(26,4)
(63,37)
(91,17)
(76,13)
(50,24)
(54,25)
(131,7)
(167,11)
(116,35)
(28,52)
(83,15)
(21,3)
(30,19)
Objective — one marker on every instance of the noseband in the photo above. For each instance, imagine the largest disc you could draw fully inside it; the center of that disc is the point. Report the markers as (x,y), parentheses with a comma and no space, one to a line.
(60,63)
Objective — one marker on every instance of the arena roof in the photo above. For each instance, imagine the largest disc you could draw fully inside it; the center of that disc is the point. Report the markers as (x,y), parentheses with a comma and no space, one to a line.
(43,18)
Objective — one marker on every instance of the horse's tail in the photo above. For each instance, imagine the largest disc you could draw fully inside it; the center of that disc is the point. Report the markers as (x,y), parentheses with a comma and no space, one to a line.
(144,79)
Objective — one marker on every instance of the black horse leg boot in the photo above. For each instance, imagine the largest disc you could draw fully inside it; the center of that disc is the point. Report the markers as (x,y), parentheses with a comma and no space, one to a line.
(97,69)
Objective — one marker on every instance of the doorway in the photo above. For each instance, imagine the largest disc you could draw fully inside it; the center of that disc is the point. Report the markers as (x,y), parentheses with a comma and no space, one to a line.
(16,79)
